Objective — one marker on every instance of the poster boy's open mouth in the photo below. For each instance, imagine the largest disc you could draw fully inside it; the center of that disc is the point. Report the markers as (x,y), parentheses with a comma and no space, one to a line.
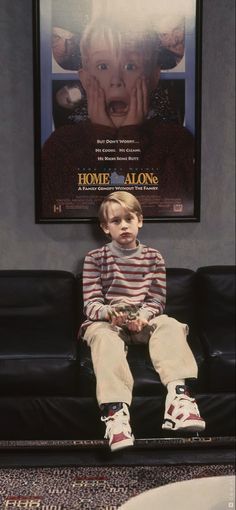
(117,107)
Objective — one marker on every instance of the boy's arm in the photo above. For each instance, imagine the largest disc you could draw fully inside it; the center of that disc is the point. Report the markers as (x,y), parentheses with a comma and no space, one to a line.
(154,302)
(94,303)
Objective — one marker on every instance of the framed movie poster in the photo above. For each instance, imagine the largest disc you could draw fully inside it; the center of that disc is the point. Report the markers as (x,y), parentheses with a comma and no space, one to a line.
(117,107)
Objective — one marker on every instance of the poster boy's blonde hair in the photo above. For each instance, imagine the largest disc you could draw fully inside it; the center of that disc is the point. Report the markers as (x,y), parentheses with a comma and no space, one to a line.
(124,199)
(145,42)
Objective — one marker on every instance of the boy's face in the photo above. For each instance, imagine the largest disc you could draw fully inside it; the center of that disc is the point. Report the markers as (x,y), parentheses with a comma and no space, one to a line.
(122,225)
(117,74)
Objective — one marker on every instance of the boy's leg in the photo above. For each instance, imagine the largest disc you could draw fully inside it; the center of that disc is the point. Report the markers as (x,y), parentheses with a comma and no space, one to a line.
(174,361)
(114,382)
(169,351)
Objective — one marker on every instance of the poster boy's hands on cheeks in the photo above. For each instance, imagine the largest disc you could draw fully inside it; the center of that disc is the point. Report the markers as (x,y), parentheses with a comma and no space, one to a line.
(118,82)
(96,103)
(138,107)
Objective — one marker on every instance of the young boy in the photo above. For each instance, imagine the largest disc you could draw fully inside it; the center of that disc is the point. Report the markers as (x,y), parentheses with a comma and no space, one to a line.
(120,72)
(124,298)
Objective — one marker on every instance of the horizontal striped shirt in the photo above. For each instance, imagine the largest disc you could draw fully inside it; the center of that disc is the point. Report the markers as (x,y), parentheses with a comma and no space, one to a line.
(113,275)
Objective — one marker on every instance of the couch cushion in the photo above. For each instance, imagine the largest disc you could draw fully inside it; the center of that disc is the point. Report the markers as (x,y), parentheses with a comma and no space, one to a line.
(216,319)
(37,332)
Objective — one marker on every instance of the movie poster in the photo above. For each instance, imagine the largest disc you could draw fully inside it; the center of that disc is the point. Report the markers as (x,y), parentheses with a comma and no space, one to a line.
(117,93)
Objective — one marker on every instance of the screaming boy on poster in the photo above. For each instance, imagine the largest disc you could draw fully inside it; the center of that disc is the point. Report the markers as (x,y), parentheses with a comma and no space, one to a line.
(121,138)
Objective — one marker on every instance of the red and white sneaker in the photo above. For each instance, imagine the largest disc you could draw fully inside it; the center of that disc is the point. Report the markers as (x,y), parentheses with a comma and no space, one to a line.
(118,429)
(182,413)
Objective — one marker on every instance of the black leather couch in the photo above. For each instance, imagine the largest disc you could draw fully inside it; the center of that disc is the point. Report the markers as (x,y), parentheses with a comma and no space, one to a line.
(47,384)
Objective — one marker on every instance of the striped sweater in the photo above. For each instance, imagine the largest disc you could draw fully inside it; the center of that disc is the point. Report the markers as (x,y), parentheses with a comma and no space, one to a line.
(113,275)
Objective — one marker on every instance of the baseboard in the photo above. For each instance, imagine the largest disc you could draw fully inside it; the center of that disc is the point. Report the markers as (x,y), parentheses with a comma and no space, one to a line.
(150,443)
(149,452)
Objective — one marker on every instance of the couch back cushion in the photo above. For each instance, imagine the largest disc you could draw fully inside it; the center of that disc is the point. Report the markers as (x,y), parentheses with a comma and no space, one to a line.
(216,295)
(216,321)
(37,331)
(180,301)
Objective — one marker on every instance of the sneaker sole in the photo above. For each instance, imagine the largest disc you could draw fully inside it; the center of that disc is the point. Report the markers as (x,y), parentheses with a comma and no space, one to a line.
(194,426)
(121,444)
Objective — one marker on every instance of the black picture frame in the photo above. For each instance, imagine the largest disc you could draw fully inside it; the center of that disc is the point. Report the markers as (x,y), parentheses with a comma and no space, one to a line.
(177,102)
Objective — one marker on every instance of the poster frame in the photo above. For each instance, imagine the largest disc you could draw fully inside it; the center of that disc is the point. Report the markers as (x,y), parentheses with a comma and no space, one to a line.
(43,115)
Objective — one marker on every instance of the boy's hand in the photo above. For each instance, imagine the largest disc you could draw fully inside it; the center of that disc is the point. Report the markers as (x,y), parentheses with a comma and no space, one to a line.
(127,316)
(96,104)
(138,108)
(117,318)
(137,324)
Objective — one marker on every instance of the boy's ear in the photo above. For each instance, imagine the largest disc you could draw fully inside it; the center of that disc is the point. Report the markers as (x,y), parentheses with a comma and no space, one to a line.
(105,228)
(140,219)
(83,76)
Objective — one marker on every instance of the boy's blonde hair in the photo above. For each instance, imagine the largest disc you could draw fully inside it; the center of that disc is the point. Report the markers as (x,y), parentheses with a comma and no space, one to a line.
(116,38)
(123,198)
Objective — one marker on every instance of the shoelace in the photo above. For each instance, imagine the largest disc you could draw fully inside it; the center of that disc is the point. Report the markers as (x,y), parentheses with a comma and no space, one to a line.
(118,419)
(185,404)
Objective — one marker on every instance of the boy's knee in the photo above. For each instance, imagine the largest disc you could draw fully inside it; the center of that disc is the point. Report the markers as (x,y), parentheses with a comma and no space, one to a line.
(170,323)
(96,331)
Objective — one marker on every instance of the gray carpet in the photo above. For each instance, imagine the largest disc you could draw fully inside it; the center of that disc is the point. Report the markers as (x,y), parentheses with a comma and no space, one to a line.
(90,488)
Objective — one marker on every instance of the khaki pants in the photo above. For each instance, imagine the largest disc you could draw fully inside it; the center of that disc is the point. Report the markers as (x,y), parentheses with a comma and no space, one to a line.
(170,353)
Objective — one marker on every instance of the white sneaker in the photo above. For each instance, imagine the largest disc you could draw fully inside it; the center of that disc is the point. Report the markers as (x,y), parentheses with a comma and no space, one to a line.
(182,413)
(118,429)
